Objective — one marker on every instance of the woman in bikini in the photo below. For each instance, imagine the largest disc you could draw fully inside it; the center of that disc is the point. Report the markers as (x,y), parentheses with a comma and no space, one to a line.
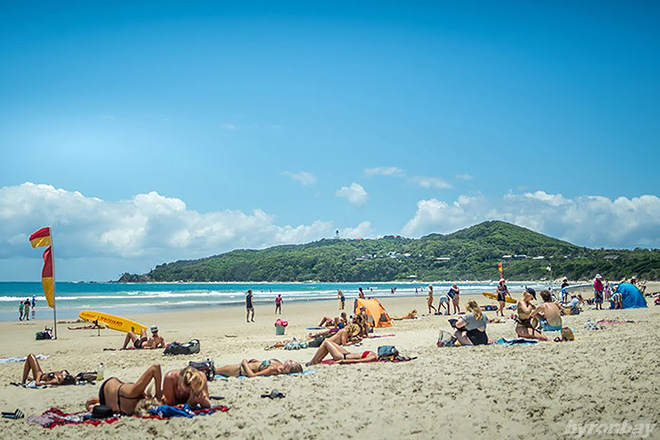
(188,385)
(341,355)
(124,397)
(40,378)
(525,324)
(255,367)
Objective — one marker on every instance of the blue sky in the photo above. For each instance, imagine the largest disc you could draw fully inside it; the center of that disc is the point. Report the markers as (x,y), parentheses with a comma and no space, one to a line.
(148,132)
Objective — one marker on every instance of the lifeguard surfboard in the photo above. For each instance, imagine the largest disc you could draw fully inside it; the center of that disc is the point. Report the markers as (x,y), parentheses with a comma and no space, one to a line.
(494,297)
(112,321)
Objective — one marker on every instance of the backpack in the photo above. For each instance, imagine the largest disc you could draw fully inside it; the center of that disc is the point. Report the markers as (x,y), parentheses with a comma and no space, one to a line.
(205,367)
(446,339)
(387,353)
(190,347)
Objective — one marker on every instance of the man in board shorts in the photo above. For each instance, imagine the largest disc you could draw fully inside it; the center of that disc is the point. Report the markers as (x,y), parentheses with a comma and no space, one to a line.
(249,306)
(144,342)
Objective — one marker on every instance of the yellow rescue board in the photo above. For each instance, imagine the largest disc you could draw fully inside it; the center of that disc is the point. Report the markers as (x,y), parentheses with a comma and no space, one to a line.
(494,297)
(112,321)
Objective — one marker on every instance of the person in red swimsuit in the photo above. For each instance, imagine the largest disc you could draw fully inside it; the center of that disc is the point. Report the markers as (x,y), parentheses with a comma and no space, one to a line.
(340,354)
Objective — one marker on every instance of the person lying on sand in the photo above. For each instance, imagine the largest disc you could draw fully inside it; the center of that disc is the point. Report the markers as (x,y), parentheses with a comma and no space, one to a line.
(525,324)
(336,322)
(155,341)
(471,327)
(255,367)
(340,354)
(188,385)
(126,397)
(548,313)
(410,315)
(40,378)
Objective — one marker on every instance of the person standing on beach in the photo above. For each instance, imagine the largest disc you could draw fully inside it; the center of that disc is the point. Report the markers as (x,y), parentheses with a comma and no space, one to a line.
(27,309)
(598,292)
(502,293)
(278,304)
(429,300)
(34,305)
(249,306)
(455,300)
(360,293)
(21,308)
(341,298)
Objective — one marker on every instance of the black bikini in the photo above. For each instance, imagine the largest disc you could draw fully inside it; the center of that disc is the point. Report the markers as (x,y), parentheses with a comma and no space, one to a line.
(119,396)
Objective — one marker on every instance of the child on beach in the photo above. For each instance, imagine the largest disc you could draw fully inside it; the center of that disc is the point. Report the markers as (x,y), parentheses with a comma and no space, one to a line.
(249,306)
(341,298)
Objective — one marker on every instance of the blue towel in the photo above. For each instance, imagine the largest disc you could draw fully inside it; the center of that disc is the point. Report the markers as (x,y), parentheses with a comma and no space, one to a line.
(170,411)
(520,341)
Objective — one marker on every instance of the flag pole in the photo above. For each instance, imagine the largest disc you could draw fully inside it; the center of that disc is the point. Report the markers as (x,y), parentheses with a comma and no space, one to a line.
(52,256)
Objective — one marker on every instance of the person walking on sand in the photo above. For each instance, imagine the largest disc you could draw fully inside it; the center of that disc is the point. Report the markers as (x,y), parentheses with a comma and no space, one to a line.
(21,308)
(34,305)
(429,300)
(502,293)
(341,298)
(249,306)
(278,304)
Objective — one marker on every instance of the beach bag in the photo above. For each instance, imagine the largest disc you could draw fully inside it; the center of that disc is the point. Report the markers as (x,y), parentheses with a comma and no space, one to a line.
(190,347)
(88,376)
(46,334)
(205,367)
(446,339)
(387,353)
(316,342)
(101,412)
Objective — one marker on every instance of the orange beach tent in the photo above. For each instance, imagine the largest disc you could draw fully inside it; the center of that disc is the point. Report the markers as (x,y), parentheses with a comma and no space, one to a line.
(376,314)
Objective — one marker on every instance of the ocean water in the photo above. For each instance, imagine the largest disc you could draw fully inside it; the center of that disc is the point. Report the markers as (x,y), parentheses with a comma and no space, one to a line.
(127,299)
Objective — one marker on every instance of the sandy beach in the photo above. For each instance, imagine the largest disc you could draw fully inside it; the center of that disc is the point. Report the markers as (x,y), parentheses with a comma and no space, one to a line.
(606,376)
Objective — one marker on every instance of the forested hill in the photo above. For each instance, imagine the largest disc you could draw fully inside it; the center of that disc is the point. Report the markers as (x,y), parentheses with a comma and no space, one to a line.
(471,253)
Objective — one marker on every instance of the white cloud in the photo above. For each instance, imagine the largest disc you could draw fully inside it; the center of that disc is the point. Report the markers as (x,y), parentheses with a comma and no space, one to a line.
(355,193)
(303,177)
(593,221)
(384,171)
(431,182)
(229,126)
(363,230)
(149,226)
(464,176)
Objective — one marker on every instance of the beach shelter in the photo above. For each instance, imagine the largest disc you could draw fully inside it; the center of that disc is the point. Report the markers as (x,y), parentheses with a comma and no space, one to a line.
(376,314)
(632,297)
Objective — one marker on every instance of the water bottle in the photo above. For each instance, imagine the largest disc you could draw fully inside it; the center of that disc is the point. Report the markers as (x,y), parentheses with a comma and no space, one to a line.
(99,372)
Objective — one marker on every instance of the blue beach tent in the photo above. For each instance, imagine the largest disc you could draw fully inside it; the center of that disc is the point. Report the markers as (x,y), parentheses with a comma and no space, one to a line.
(632,297)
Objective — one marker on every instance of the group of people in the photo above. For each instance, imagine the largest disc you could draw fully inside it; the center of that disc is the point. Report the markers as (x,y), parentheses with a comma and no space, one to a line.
(446,301)
(532,320)
(24,308)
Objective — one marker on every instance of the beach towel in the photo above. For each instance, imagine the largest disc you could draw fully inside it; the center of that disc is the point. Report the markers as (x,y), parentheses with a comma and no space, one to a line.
(517,341)
(164,412)
(613,322)
(53,417)
(399,359)
(304,373)
(22,359)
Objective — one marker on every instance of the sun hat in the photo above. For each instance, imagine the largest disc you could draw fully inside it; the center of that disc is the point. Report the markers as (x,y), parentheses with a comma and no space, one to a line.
(154,328)
(598,276)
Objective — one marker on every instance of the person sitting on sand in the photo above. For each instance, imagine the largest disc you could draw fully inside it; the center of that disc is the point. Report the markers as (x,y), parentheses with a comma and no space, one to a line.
(255,367)
(617,299)
(155,341)
(40,378)
(187,385)
(525,324)
(124,397)
(341,355)
(411,315)
(471,327)
(573,305)
(548,313)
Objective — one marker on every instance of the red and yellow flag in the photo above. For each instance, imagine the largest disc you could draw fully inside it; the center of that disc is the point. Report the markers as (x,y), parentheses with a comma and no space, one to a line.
(41,238)
(499,266)
(47,280)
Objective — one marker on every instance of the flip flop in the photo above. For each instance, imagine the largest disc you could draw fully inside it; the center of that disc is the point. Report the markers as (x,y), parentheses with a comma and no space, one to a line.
(18,414)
